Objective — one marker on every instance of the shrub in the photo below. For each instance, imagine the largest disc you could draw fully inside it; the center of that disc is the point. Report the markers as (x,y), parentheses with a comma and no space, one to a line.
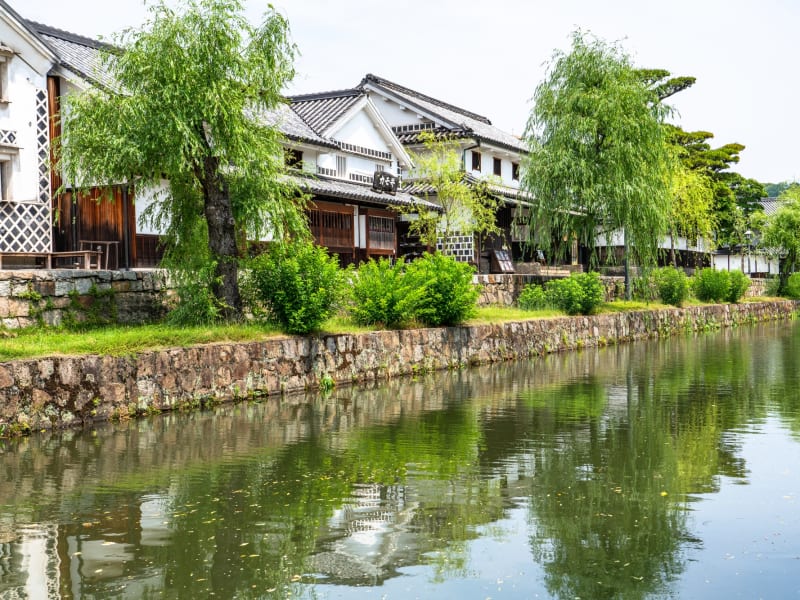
(566,294)
(298,284)
(645,288)
(673,286)
(712,285)
(381,295)
(593,291)
(792,289)
(739,282)
(196,303)
(532,297)
(773,287)
(448,295)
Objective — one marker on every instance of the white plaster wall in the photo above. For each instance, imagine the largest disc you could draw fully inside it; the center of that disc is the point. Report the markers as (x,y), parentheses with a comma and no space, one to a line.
(393,113)
(19,115)
(488,155)
(360,130)
(753,263)
(144,197)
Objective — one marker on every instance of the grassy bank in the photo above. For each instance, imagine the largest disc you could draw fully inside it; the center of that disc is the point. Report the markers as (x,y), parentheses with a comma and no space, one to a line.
(121,341)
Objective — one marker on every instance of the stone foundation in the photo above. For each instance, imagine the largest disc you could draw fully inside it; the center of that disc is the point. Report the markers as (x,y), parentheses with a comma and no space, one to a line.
(51,296)
(64,391)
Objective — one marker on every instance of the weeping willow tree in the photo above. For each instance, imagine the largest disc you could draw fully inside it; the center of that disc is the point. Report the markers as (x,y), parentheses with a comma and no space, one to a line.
(192,84)
(598,165)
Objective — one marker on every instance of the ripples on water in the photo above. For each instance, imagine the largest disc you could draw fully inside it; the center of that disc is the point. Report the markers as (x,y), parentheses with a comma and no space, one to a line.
(652,470)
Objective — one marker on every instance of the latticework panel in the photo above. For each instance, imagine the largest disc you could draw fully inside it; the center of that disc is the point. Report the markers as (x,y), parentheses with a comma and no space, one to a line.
(24,227)
(43,146)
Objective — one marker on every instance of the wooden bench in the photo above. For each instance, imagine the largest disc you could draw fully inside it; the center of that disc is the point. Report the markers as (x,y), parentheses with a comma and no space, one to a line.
(86,259)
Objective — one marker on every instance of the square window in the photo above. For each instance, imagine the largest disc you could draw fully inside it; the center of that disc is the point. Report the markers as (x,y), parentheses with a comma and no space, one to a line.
(476,161)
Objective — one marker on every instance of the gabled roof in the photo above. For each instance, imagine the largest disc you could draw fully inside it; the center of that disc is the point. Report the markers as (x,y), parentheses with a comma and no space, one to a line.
(80,55)
(460,122)
(327,112)
(294,128)
(770,205)
(323,109)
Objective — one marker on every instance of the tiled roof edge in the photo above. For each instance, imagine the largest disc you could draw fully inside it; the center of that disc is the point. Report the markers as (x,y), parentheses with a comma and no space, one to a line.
(370,78)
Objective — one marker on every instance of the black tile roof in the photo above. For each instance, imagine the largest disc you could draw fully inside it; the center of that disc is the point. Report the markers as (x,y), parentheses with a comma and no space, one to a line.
(323,109)
(345,190)
(294,128)
(81,55)
(424,189)
(461,122)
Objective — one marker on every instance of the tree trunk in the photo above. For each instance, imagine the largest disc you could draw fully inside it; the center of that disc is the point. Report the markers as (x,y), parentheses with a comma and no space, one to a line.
(222,239)
(672,249)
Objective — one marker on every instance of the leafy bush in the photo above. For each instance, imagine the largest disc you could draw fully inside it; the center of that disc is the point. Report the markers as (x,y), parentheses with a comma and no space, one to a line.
(645,288)
(532,297)
(673,286)
(773,287)
(448,295)
(712,285)
(382,296)
(739,282)
(299,284)
(195,302)
(566,294)
(792,285)
(593,291)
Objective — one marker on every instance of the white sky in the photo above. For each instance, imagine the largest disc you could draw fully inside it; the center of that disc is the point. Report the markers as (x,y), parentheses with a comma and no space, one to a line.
(488,57)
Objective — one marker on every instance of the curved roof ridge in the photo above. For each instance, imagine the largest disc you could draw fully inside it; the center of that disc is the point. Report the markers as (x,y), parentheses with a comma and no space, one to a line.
(396,86)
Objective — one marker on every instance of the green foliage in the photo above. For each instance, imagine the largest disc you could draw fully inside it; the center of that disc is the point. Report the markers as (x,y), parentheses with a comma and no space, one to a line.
(781,234)
(673,285)
(191,90)
(195,303)
(793,285)
(448,294)
(739,282)
(712,285)
(381,295)
(593,291)
(598,159)
(533,297)
(467,208)
(566,294)
(298,284)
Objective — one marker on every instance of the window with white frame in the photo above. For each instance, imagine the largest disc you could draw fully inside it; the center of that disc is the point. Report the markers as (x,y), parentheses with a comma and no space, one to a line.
(341,166)
(6,54)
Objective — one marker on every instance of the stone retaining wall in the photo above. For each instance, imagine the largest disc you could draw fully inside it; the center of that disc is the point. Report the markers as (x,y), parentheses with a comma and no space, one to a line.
(63,391)
(504,289)
(51,296)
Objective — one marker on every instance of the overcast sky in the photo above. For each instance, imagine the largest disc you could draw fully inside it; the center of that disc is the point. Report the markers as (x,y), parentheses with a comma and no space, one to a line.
(488,57)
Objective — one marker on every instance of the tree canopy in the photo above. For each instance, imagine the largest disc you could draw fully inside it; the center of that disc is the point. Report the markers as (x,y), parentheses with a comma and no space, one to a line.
(467,207)
(193,85)
(781,232)
(598,157)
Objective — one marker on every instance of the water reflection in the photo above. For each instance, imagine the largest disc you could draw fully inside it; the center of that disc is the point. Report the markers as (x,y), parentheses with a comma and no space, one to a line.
(571,476)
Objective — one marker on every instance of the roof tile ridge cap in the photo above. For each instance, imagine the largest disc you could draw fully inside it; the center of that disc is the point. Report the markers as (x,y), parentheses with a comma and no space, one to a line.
(69,36)
(440,103)
(327,95)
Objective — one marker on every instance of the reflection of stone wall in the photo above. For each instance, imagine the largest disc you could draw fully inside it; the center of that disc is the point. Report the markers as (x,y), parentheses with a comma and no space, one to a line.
(61,391)
(27,296)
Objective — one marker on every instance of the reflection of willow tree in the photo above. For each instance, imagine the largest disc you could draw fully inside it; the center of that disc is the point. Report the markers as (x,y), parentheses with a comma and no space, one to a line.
(608,522)
(256,523)
(785,379)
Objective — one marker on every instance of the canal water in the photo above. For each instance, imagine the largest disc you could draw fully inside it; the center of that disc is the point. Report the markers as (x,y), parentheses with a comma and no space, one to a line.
(660,469)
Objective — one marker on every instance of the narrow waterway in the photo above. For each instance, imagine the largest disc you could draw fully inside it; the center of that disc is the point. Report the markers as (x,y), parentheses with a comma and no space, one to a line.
(661,469)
